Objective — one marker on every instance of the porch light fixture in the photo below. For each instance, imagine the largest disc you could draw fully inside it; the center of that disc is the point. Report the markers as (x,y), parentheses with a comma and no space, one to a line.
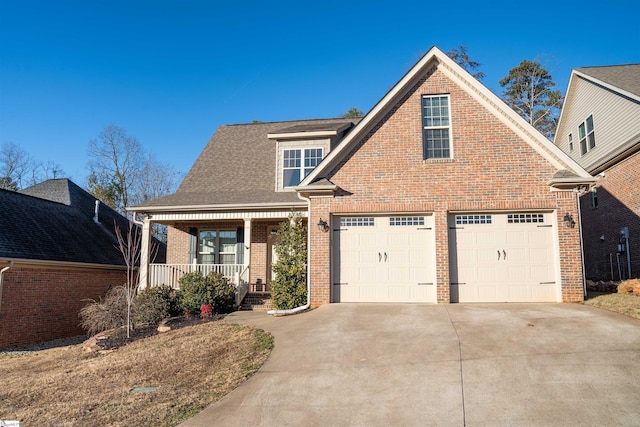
(568,221)
(323,226)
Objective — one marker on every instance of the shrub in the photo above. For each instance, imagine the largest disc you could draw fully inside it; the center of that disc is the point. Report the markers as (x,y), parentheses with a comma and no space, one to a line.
(289,287)
(215,289)
(206,311)
(105,314)
(153,304)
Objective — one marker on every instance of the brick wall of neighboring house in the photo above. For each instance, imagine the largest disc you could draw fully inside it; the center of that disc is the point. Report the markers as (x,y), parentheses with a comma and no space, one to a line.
(492,169)
(42,304)
(618,205)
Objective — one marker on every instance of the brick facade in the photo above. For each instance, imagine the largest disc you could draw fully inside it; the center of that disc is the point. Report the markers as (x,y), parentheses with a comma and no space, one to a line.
(618,205)
(492,169)
(42,304)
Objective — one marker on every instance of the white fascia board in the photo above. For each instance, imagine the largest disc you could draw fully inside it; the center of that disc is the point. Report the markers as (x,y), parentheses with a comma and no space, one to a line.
(307,135)
(556,140)
(364,124)
(303,135)
(511,119)
(233,207)
(608,85)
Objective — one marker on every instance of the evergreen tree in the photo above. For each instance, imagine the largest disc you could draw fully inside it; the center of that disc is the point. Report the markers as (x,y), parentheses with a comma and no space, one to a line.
(529,91)
(289,287)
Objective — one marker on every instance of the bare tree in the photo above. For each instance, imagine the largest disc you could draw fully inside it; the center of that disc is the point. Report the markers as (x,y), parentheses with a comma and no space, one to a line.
(15,165)
(115,165)
(129,246)
(122,174)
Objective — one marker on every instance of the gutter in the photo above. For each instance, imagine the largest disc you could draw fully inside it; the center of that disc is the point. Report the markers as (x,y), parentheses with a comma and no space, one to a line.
(308,304)
(1,273)
(190,208)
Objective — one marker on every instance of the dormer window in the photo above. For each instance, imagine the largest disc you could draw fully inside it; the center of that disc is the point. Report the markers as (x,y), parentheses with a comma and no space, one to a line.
(298,163)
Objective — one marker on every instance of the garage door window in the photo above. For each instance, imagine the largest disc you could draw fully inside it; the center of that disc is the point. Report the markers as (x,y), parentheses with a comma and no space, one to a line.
(357,222)
(406,220)
(473,219)
(525,218)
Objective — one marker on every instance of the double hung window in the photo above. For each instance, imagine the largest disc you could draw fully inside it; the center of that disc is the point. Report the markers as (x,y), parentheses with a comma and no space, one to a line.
(298,163)
(217,246)
(436,127)
(587,135)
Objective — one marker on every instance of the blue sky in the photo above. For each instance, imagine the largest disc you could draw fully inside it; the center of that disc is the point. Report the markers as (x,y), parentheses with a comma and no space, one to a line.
(171,72)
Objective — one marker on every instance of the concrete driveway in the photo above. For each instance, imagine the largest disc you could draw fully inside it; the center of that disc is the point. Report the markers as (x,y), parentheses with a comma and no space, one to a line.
(445,365)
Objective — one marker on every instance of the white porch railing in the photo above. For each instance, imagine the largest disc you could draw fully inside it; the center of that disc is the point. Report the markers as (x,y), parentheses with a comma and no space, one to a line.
(170,274)
(242,285)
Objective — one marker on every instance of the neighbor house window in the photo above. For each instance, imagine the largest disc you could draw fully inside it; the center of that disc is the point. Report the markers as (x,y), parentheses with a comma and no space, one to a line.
(298,163)
(436,127)
(587,135)
(217,246)
(570,142)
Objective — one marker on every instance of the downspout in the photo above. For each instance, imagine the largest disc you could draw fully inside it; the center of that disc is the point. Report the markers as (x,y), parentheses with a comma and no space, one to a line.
(584,277)
(1,273)
(308,304)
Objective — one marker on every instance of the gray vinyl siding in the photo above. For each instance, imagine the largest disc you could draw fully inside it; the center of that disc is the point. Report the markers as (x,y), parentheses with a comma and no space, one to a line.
(616,121)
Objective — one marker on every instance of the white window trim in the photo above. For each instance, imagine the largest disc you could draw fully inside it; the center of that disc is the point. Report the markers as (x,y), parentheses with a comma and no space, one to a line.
(449,127)
(217,247)
(586,135)
(302,167)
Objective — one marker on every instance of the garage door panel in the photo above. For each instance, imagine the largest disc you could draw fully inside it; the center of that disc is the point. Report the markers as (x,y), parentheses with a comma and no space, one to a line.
(485,274)
(502,258)
(394,254)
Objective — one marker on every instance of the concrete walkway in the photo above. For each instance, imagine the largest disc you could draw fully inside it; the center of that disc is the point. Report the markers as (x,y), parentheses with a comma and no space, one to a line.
(455,365)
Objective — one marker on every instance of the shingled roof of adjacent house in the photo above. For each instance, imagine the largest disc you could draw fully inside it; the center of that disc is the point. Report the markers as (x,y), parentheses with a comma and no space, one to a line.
(238,166)
(53,221)
(626,77)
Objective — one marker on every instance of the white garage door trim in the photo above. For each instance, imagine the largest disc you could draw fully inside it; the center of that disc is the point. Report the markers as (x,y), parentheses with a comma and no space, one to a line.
(503,257)
(384,259)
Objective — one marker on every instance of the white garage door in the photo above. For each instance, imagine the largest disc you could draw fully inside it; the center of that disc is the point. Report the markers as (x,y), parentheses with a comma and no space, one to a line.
(502,258)
(384,259)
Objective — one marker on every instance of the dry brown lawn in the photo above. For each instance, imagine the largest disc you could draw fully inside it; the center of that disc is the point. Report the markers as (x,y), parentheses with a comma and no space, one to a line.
(626,304)
(192,367)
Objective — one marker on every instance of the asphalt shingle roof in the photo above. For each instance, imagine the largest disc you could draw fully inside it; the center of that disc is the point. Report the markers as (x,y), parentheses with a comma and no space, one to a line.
(53,221)
(626,77)
(238,165)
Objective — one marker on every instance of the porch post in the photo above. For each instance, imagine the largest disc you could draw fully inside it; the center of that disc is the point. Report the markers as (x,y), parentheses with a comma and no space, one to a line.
(144,253)
(247,241)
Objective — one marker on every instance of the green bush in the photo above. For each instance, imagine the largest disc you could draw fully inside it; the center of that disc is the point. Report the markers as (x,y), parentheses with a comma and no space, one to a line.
(289,287)
(196,290)
(153,304)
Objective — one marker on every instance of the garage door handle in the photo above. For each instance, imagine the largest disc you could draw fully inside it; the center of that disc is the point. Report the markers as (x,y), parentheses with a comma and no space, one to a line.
(505,255)
(498,255)
(385,257)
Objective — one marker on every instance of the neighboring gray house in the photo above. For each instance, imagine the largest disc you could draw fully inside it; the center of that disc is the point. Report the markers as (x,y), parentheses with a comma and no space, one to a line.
(54,256)
(600,129)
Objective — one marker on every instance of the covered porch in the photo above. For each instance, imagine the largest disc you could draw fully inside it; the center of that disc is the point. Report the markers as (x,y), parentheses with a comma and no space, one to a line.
(237,244)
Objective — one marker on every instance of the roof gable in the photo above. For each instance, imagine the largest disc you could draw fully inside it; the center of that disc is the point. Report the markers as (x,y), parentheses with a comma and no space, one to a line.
(624,79)
(436,58)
